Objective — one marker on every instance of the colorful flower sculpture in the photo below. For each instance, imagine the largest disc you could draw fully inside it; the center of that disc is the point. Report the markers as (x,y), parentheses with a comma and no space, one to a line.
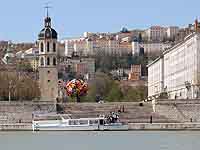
(76,87)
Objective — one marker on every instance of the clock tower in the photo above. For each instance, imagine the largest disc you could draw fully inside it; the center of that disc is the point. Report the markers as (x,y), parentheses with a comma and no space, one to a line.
(48,73)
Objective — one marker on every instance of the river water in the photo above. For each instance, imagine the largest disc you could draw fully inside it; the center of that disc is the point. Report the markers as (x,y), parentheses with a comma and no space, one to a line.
(130,140)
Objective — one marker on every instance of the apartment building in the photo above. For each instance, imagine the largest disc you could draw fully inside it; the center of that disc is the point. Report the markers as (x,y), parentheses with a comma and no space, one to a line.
(177,72)
(87,46)
(150,48)
(74,45)
(172,31)
(156,33)
(136,72)
(125,48)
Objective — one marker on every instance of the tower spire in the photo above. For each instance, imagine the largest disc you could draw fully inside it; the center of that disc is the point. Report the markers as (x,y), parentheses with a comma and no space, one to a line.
(47,20)
(47,7)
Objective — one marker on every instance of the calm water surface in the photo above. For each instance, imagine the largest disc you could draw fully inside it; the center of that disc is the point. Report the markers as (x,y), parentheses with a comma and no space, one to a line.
(134,140)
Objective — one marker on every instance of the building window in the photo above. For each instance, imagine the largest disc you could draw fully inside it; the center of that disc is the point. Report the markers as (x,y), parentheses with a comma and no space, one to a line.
(48,47)
(54,47)
(54,61)
(42,47)
(42,61)
(48,61)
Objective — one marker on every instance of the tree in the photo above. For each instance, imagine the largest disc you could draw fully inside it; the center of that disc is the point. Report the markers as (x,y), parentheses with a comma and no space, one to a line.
(20,87)
(91,95)
(107,89)
(115,93)
(135,93)
(101,86)
(24,67)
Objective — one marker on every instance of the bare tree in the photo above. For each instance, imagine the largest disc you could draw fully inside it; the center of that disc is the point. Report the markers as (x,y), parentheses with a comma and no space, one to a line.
(18,87)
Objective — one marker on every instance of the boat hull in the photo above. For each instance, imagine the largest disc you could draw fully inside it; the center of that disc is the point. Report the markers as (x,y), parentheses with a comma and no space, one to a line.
(114,128)
(84,128)
(66,128)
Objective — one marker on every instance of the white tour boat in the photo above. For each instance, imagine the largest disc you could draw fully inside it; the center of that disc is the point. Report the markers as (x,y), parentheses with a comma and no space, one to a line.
(62,123)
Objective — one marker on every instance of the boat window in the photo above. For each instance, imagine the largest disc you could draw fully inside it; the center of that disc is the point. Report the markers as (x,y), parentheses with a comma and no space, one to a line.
(83,121)
(101,122)
(73,122)
(76,122)
(93,122)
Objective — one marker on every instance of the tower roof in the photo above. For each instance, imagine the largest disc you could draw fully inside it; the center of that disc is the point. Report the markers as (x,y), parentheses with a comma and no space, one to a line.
(47,32)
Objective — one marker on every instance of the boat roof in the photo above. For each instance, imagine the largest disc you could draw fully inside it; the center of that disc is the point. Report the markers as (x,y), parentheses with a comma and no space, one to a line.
(52,115)
(68,115)
(88,118)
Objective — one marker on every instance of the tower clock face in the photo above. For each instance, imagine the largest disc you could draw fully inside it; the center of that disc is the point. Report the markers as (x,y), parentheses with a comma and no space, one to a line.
(48,34)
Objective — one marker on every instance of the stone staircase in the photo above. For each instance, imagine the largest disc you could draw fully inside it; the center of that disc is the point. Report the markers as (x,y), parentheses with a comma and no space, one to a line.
(181,109)
(133,111)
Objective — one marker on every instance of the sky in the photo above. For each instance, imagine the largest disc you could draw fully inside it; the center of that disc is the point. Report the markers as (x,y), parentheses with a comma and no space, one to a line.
(22,20)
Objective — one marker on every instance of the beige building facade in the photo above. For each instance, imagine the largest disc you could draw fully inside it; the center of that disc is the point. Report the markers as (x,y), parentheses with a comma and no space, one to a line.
(177,72)
(150,48)
(172,31)
(92,44)
(156,33)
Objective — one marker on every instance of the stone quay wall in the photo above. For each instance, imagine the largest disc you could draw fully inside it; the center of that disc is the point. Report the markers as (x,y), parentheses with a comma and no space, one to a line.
(166,111)
(21,112)
(16,127)
(157,115)
(164,126)
(182,110)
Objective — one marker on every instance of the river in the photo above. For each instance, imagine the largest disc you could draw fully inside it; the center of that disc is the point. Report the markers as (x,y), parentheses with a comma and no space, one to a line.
(130,140)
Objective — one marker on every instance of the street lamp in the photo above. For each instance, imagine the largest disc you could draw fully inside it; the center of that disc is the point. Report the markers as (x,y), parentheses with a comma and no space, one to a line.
(9,92)
(11,86)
